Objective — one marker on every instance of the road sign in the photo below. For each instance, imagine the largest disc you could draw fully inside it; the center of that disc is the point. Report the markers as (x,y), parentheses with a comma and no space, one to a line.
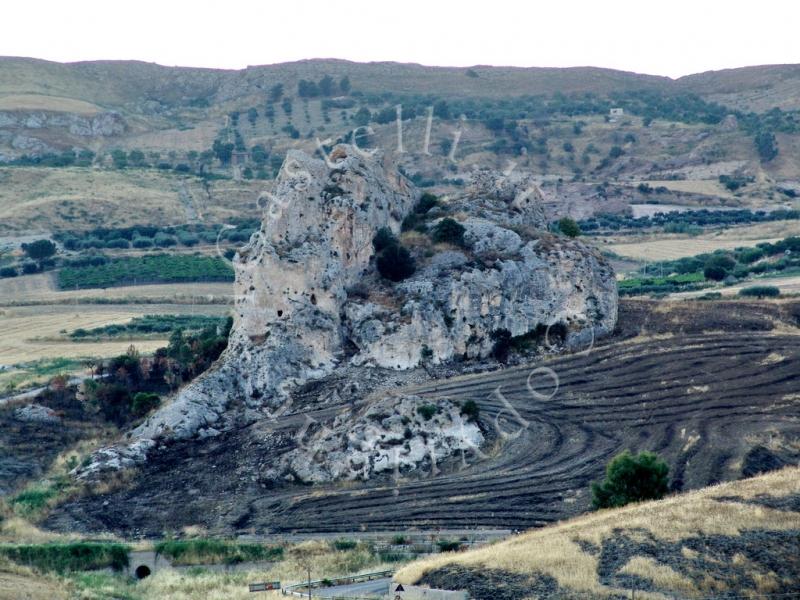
(398,592)
(265,586)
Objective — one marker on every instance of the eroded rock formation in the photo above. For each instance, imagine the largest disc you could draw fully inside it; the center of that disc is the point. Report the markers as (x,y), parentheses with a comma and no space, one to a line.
(296,317)
(392,435)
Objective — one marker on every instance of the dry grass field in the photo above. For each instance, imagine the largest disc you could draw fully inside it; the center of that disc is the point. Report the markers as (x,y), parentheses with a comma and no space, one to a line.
(41,289)
(674,248)
(654,248)
(79,198)
(707,187)
(569,552)
(17,583)
(48,103)
(787,286)
(33,343)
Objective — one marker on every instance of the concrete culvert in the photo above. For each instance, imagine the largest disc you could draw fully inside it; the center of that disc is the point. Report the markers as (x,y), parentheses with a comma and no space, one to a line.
(142,571)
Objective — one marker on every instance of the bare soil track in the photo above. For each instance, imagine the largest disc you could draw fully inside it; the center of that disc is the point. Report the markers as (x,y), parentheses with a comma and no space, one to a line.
(716,405)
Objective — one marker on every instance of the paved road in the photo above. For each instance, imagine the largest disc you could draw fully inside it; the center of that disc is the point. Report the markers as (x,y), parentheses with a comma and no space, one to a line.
(376,587)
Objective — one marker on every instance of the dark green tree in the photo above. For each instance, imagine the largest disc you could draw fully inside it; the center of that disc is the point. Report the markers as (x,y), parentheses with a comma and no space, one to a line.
(276,92)
(631,478)
(362,117)
(326,86)
(383,239)
(761,291)
(718,266)
(395,263)
(136,158)
(40,249)
(223,151)
(307,89)
(449,231)
(344,85)
(252,115)
(569,227)
(441,109)
(767,145)
(120,158)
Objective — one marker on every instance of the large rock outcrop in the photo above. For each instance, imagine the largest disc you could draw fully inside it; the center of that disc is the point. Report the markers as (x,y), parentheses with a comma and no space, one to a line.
(296,317)
(290,289)
(454,308)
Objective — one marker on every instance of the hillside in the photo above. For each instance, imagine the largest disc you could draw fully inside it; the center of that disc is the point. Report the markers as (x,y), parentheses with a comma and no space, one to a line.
(173,136)
(111,83)
(750,88)
(709,386)
(114,83)
(735,540)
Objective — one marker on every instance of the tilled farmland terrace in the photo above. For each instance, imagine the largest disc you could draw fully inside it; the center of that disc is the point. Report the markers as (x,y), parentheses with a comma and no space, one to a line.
(717,396)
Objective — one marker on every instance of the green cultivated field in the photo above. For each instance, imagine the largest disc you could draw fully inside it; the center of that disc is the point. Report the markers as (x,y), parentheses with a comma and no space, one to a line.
(160,268)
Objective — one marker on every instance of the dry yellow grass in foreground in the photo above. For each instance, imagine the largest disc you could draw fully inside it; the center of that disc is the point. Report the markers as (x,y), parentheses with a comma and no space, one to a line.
(18,582)
(555,550)
(652,247)
(29,334)
(211,585)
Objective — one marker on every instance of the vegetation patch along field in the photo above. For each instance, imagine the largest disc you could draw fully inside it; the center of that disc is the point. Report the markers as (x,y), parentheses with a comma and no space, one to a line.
(158,268)
(32,334)
(788,285)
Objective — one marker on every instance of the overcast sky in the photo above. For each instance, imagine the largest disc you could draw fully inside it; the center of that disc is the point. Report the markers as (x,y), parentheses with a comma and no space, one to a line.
(671,38)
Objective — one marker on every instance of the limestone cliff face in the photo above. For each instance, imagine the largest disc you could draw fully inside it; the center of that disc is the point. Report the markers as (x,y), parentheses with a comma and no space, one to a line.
(296,319)
(500,280)
(452,309)
(315,241)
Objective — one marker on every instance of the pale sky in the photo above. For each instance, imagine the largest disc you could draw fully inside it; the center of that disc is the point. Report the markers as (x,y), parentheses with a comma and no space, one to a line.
(673,37)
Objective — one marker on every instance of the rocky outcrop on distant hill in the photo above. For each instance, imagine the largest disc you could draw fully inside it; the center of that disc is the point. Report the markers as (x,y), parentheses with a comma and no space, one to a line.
(297,316)
(510,199)
(37,133)
(100,125)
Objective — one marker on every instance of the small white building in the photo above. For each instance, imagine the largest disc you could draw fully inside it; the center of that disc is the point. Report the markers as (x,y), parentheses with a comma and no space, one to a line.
(615,113)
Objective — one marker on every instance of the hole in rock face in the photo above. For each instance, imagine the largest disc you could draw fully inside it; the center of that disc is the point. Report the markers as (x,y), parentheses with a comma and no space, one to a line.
(313,299)
(142,571)
(280,313)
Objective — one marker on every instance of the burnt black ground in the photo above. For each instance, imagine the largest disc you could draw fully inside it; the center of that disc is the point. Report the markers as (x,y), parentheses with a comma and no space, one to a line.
(27,449)
(776,552)
(709,383)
